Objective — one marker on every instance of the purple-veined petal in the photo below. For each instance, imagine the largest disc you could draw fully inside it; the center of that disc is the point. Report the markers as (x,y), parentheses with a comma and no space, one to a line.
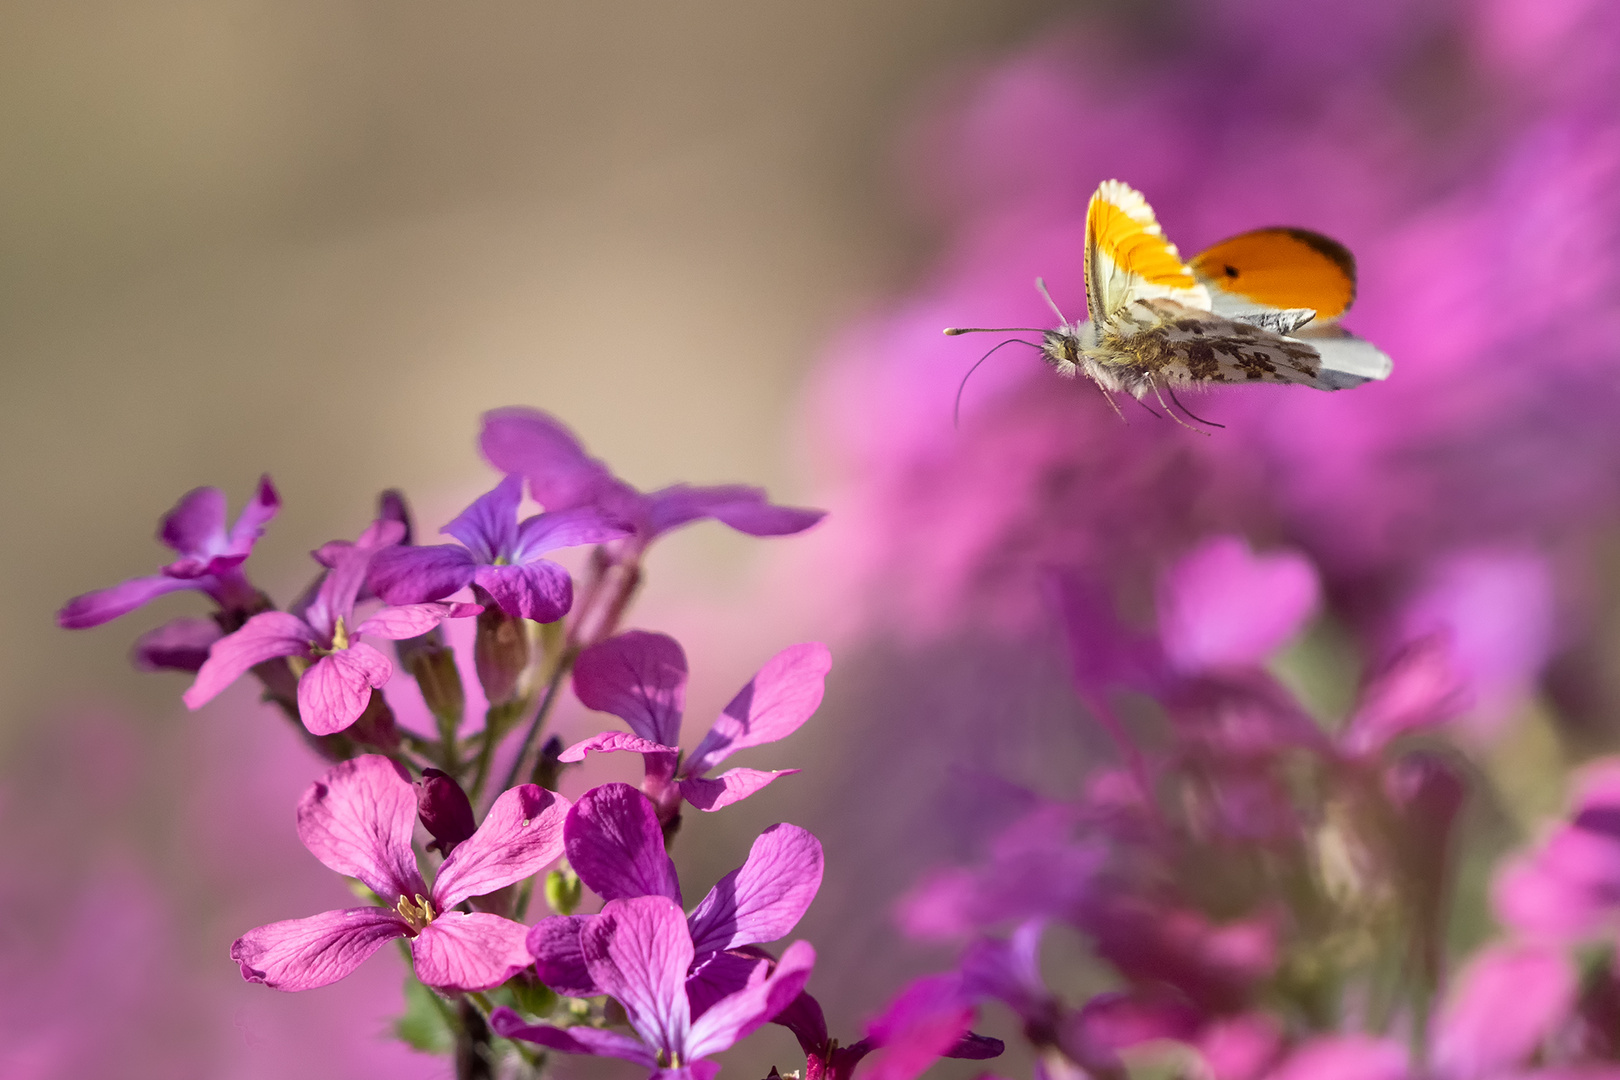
(638,676)
(539,590)
(1223,606)
(522,832)
(94,608)
(616,846)
(637,950)
(301,954)
(772,706)
(346,565)
(196,525)
(489,526)
(265,636)
(178,645)
(734,1018)
(457,951)
(250,523)
(692,1070)
(746,509)
(335,690)
(411,575)
(575,1040)
(358,819)
(733,785)
(765,897)
(530,442)
(1507,1000)
(565,529)
(412,620)
(719,975)
(609,741)
(558,957)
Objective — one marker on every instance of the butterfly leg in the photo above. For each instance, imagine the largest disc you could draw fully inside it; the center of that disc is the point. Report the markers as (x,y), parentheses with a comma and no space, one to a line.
(1154,384)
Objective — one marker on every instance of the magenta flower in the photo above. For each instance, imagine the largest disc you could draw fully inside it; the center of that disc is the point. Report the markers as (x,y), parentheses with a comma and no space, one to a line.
(640,677)
(1567,888)
(1503,1007)
(501,555)
(210,558)
(358,820)
(1222,606)
(336,686)
(927,1021)
(639,951)
(615,843)
(562,476)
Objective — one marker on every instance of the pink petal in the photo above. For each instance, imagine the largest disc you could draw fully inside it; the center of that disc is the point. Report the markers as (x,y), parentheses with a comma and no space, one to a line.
(539,590)
(301,954)
(178,645)
(358,820)
(734,1018)
(746,509)
(567,528)
(637,950)
(335,690)
(574,1040)
(639,677)
(1223,606)
(457,951)
(346,572)
(196,525)
(1420,687)
(926,1020)
(522,832)
(558,956)
(1507,1000)
(489,526)
(411,575)
(616,845)
(258,513)
(263,637)
(765,897)
(1345,1057)
(733,785)
(104,605)
(412,620)
(609,741)
(772,706)
(528,441)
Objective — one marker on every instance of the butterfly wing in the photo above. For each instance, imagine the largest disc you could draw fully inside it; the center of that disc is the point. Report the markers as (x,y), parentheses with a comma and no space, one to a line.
(1191,348)
(1128,258)
(1278,269)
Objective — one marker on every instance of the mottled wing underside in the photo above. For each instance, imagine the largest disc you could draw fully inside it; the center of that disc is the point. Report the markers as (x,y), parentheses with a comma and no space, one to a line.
(1278,269)
(1127,257)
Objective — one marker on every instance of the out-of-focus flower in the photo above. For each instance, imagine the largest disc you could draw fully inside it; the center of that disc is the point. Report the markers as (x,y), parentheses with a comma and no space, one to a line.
(926,1016)
(1222,606)
(501,556)
(336,686)
(638,951)
(358,820)
(1505,1004)
(1567,888)
(640,677)
(210,559)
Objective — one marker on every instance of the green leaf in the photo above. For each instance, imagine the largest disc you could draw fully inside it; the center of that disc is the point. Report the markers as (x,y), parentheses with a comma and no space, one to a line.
(424,1025)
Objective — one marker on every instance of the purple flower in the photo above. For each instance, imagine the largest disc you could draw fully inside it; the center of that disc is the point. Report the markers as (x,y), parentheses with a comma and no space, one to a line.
(927,1021)
(562,476)
(336,686)
(640,677)
(210,559)
(358,820)
(1567,889)
(501,556)
(615,843)
(1222,606)
(1504,1005)
(639,951)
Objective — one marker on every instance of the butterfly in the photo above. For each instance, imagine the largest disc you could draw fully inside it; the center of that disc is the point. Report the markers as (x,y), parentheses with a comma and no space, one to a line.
(1263,306)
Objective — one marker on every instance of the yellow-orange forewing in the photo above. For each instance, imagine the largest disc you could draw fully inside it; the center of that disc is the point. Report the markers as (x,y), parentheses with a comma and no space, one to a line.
(1280,268)
(1128,257)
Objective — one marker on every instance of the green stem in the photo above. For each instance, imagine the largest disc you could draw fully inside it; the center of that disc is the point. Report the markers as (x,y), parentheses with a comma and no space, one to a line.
(525,762)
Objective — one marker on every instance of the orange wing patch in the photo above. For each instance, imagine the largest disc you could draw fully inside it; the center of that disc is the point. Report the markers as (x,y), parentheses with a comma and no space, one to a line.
(1281,268)
(1128,257)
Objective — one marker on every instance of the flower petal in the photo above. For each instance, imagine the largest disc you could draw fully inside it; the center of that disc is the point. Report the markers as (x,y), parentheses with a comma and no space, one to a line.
(411,575)
(733,785)
(616,846)
(1344,1057)
(457,951)
(928,1018)
(264,637)
(301,954)
(637,950)
(558,956)
(1420,687)
(528,441)
(196,526)
(1223,606)
(1507,1000)
(772,706)
(489,526)
(746,509)
(358,820)
(609,741)
(335,690)
(765,897)
(522,832)
(539,590)
(250,523)
(733,1018)
(178,645)
(638,676)
(412,620)
(565,529)
(720,974)
(574,1040)
(346,565)
(104,605)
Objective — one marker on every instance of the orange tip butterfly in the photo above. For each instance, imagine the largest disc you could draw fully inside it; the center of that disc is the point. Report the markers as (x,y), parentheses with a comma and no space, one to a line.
(1263,306)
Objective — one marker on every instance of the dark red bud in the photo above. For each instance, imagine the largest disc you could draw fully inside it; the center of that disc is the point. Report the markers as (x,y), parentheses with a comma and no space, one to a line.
(444,809)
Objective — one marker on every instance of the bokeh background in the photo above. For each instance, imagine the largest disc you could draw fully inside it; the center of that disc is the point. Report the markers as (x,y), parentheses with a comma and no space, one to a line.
(720,239)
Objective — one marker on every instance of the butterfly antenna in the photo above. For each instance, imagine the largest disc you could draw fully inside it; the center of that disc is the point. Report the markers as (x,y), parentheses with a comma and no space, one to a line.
(952,331)
(1188,411)
(1167,409)
(1041,285)
(956,409)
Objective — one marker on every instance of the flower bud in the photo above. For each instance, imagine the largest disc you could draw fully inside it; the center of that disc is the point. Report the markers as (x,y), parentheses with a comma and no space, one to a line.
(500,650)
(433,665)
(563,890)
(444,809)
